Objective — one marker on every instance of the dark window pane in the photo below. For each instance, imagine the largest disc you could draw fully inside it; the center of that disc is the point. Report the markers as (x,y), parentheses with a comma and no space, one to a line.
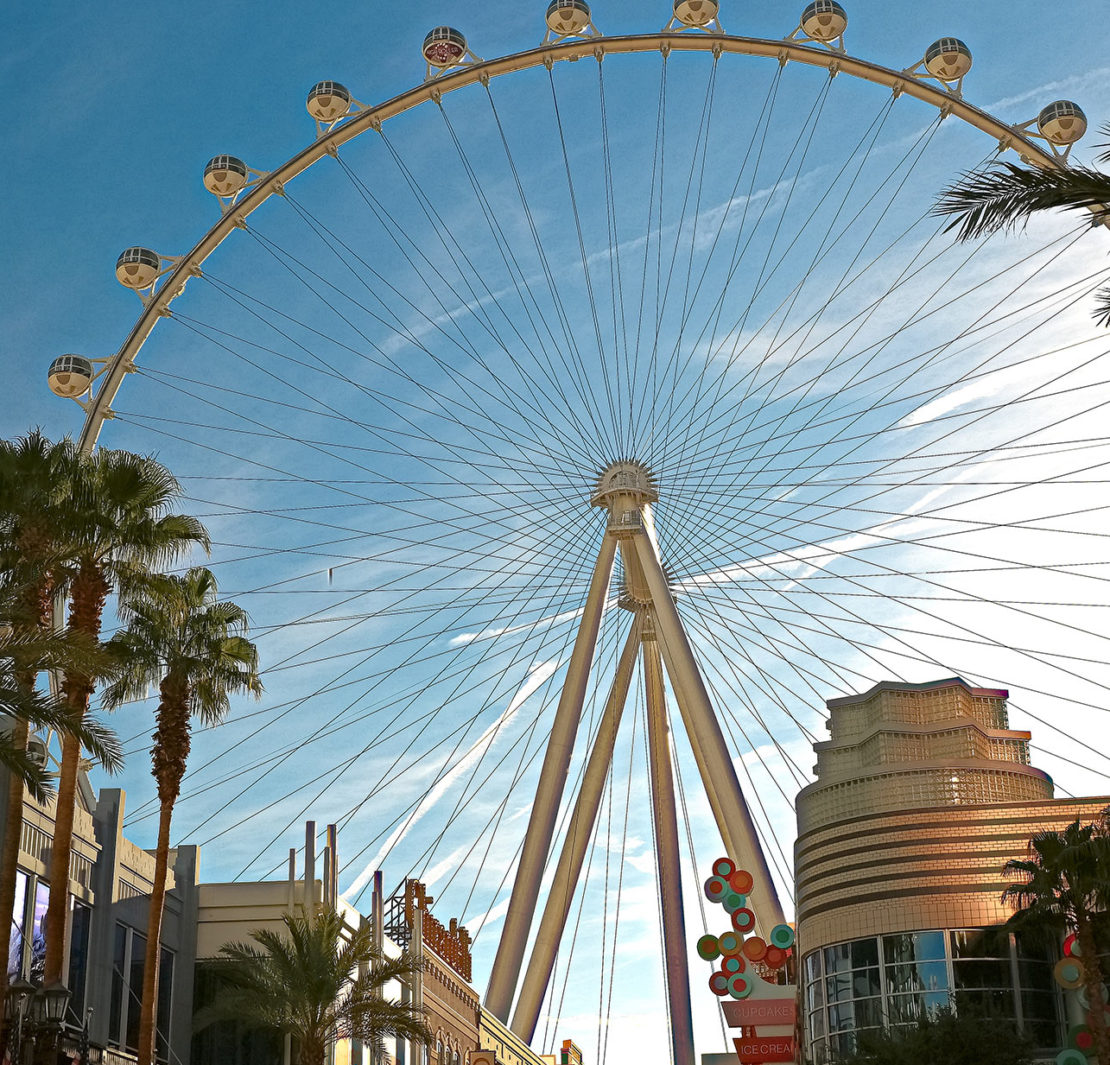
(812,966)
(904,1008)
(974,974)
(79,959)
(119,957)
(981,943)
(19,914)
(839,988)
(914,946)
(866,983)
(135,989)
(869,1012)
(165,991)
(865,952)
(922,976)
(986,1002)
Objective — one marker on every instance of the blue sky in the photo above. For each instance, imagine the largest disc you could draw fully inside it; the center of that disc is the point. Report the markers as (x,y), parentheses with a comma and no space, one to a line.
(445,494)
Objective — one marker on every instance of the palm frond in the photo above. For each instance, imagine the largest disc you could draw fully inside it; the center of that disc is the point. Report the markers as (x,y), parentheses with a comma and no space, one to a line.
(1005,196)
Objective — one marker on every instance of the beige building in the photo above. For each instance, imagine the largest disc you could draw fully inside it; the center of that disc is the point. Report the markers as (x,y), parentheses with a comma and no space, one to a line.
(923,793)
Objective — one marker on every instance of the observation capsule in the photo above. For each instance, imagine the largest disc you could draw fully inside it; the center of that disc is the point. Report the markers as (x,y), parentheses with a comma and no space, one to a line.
(696,12)
(1062,122)
(327,101)
(824,20)
(37,750)
(568,17)
(70,376)
(948,59)
(137,267)
(444,47)
(225,175)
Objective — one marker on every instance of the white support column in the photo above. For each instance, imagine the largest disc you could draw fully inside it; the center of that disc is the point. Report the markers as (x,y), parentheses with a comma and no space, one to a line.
(665,818)
(553,776)
(718,775)
(538,973)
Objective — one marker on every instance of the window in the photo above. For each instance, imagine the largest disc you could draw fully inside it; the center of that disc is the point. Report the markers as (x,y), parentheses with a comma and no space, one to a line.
(128,967)
(19,912)
(38,932)
(79,958)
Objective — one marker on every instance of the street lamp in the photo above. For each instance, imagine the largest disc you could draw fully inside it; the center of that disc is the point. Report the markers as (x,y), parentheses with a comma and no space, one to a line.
(20,993)
(42,1010)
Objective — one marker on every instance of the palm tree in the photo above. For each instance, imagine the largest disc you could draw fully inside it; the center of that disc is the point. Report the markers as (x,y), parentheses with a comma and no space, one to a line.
(118,528)
(1066,883)
(36,479)
(193,648)
(26,653)
(1005,195)
(317,981)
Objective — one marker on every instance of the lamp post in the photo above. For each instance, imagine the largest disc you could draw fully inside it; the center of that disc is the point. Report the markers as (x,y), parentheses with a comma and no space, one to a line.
(18,998)
(35,1016)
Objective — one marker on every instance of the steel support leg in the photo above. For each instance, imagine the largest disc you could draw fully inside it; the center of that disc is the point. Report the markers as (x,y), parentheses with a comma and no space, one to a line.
(667,857)
(549,792)
(542,962)
(718,774)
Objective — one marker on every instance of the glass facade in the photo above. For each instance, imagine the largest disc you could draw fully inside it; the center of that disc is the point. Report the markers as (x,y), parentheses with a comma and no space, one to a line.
(892,980)
(128,965)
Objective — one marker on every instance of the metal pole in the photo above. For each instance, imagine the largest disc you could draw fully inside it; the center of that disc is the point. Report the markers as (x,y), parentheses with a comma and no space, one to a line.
(549,792)
(561,894)
(667,855)
(734,820)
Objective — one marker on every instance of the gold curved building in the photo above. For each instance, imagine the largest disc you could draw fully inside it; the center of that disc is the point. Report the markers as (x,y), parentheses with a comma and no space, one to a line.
(923,793)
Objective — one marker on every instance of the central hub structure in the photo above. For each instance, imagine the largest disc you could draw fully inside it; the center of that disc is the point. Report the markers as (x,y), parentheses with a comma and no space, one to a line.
(624,485)
(627,490)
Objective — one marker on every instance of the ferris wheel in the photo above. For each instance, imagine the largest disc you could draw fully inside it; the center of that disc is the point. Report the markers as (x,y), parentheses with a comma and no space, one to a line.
(573,425)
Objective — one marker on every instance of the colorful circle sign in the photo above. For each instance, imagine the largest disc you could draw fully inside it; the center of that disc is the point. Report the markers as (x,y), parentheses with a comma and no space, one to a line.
(716,888)
(730,943)
(741,881)
(740,986)
(709,948)
(1068,1057)
(1068,973)
(718,984)
(743,920)
(755,949)
(782,936)
(723,867)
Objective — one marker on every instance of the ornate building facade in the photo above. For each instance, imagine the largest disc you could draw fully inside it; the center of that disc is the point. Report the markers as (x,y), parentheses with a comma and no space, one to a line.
(923,793)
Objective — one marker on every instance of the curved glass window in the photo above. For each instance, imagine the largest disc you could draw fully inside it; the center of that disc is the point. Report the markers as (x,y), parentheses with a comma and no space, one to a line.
(893,980)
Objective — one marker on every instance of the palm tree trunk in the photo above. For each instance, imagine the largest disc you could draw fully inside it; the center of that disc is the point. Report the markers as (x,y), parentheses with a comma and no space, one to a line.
(90,591)
(313,1051)
(1092,974)
(57,909)
(168,757)
(9,861)
(148,1014)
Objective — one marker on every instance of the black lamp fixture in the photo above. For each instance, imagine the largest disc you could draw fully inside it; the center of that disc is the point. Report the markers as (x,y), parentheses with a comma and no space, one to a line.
(54,999)
(20,993)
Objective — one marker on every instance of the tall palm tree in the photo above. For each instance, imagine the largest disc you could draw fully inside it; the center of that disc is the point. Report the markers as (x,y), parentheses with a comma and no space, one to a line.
(193,648)
(26,652)
(36,522)
(316,980)
(120,528)
(1066,883)
(1004,196)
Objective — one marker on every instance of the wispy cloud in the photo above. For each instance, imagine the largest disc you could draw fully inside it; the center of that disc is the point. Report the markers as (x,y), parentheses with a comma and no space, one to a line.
(537,677)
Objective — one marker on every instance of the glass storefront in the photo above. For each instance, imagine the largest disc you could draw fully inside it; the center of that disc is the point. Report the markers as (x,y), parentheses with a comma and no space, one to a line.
(892,980)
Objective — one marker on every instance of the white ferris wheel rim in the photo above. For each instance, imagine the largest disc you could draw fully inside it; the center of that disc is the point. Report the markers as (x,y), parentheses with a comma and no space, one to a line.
(949,103)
